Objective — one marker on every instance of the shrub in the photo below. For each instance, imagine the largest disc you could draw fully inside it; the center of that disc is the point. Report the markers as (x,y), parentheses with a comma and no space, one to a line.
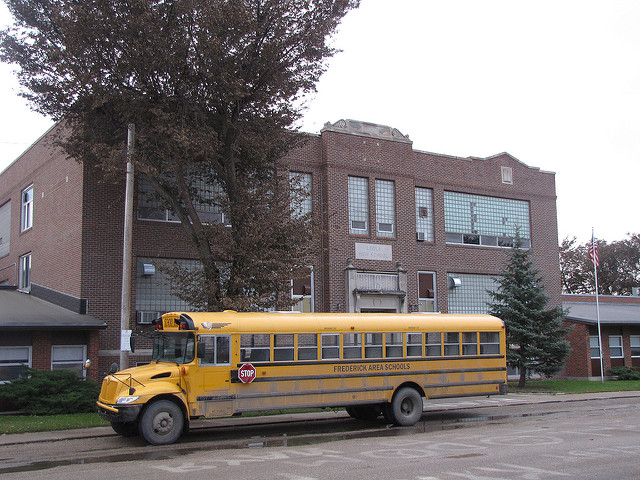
(45,392)
(625,373)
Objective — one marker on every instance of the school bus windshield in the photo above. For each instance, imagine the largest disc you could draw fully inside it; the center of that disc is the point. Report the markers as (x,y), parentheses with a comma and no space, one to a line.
(178,347)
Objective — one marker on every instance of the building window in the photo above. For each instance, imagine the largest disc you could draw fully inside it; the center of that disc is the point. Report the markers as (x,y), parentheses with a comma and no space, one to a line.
(302,291)
(594,347)
(424,214)
(5,229)
(426,292)
(385,208)
(507,175)
(13,361)
(634,340)
(26,215)
(358,205)
(154,293)
(69,357)
(615,346)
(471,296)
(207,201)
(24,272)
(487,221)
(301,203)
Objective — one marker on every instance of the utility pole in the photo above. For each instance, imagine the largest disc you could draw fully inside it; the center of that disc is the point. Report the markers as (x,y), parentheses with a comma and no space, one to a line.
(125,302)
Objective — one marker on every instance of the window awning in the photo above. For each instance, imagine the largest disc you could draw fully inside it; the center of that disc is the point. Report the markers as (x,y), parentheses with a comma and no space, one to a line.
(610,313)
(20,311)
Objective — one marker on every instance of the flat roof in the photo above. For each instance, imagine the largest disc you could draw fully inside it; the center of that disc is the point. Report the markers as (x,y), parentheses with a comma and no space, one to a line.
(19,311)
(610,313)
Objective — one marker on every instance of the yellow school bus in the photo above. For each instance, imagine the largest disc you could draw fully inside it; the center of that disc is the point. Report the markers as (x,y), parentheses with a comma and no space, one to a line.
(226,363)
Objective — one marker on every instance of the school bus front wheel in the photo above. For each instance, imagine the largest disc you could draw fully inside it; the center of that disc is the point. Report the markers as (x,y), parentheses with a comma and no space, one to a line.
(161,422)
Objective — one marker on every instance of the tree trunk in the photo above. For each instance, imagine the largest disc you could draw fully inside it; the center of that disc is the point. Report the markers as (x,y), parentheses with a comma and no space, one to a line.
(523,377)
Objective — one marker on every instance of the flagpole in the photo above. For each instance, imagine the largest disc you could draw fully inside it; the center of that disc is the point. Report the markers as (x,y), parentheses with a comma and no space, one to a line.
(594,258)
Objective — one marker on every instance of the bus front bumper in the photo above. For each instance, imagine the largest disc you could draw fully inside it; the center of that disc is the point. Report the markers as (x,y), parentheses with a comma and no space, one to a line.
(120,413)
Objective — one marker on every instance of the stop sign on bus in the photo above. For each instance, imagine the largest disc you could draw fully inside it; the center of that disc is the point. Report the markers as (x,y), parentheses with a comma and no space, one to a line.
(247,373)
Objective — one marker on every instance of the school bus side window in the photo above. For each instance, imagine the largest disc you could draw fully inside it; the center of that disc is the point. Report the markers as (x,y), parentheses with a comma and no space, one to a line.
(351,345)
(330,345)
(451,344)
(217,351)
(489,343)
(307,346)
(255,347)
(283,347)
(469,343)
(394,346)
(414,344)
(373,345)
(433,344)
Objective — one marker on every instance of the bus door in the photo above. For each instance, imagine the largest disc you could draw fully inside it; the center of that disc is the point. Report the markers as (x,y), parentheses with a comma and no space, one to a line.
(210,384)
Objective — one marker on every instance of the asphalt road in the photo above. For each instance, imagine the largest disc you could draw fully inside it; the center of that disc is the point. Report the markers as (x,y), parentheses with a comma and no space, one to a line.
(511,437)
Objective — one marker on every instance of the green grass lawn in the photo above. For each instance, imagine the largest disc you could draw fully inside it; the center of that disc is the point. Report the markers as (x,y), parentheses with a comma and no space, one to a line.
(28,423)
(45,423)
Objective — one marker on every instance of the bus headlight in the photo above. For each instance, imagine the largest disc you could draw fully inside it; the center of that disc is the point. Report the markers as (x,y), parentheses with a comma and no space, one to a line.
(126,400)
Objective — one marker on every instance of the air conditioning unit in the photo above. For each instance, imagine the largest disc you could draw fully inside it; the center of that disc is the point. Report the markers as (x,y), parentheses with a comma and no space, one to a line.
(420,236)
(145,318)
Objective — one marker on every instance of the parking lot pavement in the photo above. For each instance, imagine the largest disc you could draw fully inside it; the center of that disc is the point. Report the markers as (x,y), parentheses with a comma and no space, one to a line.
(429,406)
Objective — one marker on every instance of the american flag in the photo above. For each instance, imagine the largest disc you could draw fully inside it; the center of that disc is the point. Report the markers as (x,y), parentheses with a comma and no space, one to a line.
(593,252)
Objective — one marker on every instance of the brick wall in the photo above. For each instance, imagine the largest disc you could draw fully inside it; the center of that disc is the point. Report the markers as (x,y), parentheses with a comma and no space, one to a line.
(336,155)
(54,241)
(578,364)
(79,222)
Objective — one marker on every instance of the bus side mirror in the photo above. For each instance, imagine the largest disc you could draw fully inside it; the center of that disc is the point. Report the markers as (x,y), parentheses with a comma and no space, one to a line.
(132,343)
(201,349)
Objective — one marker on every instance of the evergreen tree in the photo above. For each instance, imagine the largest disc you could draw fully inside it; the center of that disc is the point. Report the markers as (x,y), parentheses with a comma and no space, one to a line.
(535,336)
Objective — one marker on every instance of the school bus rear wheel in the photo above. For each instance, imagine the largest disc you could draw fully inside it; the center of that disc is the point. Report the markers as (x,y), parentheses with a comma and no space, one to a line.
(405,408)
(162,423)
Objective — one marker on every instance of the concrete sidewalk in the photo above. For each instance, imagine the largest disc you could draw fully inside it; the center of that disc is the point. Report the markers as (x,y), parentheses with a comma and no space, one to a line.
(430,406)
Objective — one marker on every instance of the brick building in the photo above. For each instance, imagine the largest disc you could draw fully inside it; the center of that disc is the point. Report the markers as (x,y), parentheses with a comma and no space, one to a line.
(619,330)
(404,230)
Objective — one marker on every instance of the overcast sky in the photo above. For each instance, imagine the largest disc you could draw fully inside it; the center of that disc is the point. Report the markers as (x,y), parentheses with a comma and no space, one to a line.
(554,83)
